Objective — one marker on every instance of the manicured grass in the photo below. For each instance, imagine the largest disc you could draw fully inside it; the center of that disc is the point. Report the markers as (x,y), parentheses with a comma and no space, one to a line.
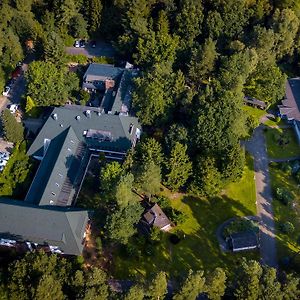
(244,189)
(287,245)
(255,112)
(198,248)
(282,151)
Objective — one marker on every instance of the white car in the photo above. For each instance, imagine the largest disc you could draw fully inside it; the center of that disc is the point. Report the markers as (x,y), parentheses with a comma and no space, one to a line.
(6,91)
(4,155)
(77,44)
(3,162)
(13,108)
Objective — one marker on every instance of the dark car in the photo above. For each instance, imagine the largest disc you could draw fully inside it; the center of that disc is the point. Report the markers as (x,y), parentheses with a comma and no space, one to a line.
(82,43)
(93,44)
(17,72)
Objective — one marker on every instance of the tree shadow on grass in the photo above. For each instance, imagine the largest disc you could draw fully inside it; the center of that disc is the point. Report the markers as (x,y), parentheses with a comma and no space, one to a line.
(198,247)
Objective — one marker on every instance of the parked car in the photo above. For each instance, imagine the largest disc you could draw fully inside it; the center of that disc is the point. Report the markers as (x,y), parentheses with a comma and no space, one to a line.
(3,162)
(13,108)
(82,43)
(4,155)
(17,72)
(93,44)
(6,91)
(77,44)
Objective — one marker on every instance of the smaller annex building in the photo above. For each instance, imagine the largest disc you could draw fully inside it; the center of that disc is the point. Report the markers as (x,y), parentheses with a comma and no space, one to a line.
(69,138)
(290,107)
(242,241)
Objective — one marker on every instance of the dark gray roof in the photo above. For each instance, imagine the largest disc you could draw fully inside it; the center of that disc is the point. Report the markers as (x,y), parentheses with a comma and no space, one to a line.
(122,99)
(244,240)
(291,104)
(56,226)
(118,125)
(101,72)
(54,170)
(156,217)
(255,102)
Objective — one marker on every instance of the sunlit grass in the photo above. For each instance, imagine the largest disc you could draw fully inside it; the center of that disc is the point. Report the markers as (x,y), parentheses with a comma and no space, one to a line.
(282,151)
(198,248)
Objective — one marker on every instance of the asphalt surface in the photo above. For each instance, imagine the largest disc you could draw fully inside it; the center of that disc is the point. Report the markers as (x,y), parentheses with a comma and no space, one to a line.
(102,49)
(257,147)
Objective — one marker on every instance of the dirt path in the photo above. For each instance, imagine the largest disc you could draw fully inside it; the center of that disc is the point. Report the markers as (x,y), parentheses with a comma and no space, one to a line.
(257,147)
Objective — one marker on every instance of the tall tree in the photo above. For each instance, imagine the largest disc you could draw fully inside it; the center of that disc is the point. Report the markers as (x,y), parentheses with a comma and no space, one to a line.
(54,50)
(47,84)
(156,94)
(94,15)
(192,287)
(178,166)
(124,195)
(249,280)
(157,288)
(216,284)
(158,45)
(49,288)
(202,61)
(136,292)
(188,22)
(13,131)
(121,223)
(207,180)
(149,178)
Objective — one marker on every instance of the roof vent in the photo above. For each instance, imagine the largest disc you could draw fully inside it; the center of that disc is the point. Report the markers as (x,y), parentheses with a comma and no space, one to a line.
(88,113)
(77,118)
(54,116)
(99,113)
(109,112)
(61,125)
(51,202)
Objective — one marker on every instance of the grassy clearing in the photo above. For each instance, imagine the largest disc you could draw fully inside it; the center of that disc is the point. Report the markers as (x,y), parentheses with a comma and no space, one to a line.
(275,150)
(244,190)
(287,245)
(255,112)
(199,247)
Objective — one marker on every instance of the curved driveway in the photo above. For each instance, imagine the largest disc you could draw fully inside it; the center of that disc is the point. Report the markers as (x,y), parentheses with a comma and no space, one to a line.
(256,146)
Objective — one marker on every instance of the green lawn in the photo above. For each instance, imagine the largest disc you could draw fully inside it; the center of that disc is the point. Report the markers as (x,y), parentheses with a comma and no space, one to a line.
(255,112)
(286,244)
(200,248)
(275,150)
(244,190)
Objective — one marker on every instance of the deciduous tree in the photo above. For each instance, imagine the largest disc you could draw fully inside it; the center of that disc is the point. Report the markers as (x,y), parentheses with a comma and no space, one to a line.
(178,166)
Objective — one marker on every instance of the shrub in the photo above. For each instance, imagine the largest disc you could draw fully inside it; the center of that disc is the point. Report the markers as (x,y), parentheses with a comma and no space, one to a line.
(240,225)
(84,97)
(283,195)
(162,201)
(286,168)
(297,177)
(277,119)
(287,227)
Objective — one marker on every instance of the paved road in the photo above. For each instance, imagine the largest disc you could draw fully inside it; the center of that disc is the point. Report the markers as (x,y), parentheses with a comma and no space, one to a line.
(102,49)
(257,147)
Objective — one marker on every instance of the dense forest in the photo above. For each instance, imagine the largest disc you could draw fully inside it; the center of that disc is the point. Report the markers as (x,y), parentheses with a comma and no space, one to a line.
(38,276)
(197,61)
